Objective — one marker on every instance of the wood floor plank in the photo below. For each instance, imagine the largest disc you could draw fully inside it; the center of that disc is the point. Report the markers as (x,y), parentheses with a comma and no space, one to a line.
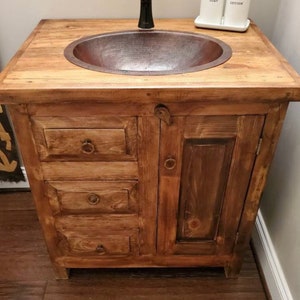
(22,290)
(23,254)
(16,201)
(156,288)
(26,272)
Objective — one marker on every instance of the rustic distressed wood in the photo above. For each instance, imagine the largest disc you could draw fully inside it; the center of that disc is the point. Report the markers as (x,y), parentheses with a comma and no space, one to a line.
(205,169)
(92,197)
(270,136)
(34,172)
(110,138)
(202,213)
(136,171)
(94,245)
(148,132)
(42,74)
(146,109)
(57,170)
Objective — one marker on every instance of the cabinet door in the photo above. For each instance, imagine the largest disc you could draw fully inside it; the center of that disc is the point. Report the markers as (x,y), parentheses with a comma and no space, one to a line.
(205,168)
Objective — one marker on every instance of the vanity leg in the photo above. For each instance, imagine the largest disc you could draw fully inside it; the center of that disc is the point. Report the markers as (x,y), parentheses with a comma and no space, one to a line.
(60,272)
(233,268)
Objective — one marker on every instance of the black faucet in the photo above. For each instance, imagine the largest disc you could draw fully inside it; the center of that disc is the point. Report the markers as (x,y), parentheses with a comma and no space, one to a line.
(146,19)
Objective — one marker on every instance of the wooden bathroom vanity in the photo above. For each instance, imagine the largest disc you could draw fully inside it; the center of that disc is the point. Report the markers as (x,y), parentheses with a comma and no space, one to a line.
(146,171)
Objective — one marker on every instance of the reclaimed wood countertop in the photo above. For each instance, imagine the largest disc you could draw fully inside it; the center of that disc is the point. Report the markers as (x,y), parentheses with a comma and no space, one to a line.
(39,72)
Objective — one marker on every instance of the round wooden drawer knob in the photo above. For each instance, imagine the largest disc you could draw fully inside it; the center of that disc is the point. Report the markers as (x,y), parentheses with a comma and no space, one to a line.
(93,199)
(87,147)
(170,163)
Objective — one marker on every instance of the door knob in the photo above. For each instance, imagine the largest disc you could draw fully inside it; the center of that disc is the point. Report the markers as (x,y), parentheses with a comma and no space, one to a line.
(170,163)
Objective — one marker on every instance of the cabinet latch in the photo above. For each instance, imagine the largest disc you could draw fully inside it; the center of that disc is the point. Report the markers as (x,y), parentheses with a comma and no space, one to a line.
(162,112)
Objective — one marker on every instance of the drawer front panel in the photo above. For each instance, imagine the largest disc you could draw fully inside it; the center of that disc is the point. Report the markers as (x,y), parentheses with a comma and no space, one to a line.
(103,235)
(92,197)
(102,245)
(90,138)
(74,142)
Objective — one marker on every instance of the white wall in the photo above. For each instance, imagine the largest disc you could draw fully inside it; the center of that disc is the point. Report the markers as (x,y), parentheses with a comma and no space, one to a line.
(264,13)
(281,202)
(19,17)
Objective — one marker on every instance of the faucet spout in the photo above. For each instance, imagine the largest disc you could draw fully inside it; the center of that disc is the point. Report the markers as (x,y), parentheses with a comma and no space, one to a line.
(146,19)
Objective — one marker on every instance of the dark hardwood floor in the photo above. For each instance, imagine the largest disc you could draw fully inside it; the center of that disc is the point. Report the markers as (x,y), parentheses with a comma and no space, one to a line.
(25,270)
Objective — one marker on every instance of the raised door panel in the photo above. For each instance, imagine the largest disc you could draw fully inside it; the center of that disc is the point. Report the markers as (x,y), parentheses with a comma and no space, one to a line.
(205,168)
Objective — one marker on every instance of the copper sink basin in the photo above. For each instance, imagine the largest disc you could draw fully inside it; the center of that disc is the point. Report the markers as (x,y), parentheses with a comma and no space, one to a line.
(148,52)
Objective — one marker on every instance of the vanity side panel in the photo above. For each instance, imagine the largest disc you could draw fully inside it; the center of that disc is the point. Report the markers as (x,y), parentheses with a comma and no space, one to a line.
(25,139)
(270,136)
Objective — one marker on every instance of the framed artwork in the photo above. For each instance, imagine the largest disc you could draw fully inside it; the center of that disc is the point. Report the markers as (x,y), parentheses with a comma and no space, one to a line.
(10,163)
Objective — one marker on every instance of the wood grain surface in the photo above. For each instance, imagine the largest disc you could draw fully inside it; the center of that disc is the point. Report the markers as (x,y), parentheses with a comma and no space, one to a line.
(39,72)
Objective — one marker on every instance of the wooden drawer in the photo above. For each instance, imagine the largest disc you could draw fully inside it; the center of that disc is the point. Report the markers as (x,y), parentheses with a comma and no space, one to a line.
(115,234)
(85,138)
(92,197)
(83,244)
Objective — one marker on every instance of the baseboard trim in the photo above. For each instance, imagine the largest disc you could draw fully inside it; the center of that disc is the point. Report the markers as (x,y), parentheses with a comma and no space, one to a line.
(269,263)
